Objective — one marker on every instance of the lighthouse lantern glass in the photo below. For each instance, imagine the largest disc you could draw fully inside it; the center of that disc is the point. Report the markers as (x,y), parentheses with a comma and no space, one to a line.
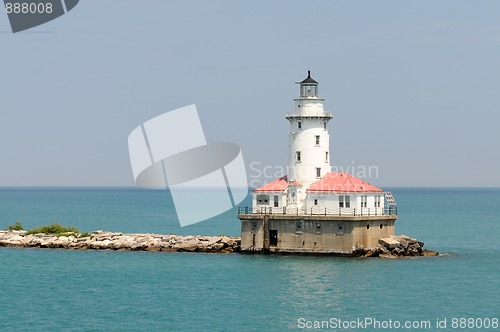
(308,90)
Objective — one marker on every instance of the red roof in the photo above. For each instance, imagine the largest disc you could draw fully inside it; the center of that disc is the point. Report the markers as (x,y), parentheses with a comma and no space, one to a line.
(341,183)
(278,185)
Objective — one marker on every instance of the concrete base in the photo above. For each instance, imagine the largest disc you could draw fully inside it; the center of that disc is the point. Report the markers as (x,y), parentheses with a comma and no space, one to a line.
(306,234)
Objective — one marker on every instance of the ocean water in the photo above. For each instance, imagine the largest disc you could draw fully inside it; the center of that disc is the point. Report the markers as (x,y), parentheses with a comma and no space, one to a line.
(47,289)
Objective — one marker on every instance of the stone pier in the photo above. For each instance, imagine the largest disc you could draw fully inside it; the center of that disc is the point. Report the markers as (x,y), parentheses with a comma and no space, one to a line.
(100,240)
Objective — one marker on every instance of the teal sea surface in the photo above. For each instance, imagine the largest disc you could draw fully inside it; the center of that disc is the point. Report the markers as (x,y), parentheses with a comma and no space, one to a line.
(69,290)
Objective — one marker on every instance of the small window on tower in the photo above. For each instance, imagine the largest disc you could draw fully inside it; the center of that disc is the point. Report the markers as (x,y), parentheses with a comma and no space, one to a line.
(315,201)
(324,125)
(317,140)
(326,157)
(297,156)
(299,124)
(318,172)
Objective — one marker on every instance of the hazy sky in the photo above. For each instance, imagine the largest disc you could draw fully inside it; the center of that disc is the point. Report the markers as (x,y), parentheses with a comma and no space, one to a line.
(414,86)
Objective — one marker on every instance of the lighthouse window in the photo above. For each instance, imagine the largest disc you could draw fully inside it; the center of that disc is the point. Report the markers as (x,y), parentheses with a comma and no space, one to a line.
(297,156)
(318,172)
(315,201)
(377,201)
(276,202)
(326,157)
(262,199)
(317,140)
(299,124)
(344,201)
(363,201)
(324,125)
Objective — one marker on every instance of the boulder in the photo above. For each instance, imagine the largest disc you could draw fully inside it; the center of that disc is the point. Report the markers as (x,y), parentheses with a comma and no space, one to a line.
(398,251)
(216,247)
(186,246)
(415,245)
(389,243)
(106,244)
(214,239)
(153,245)
(123,242)
(384,250)
(137,246)
(413,252)
(227,241)
(404,243)
(427,252)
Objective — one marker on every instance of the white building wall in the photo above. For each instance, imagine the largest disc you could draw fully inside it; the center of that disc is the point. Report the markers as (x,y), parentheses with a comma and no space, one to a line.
(269,206)
(330,201)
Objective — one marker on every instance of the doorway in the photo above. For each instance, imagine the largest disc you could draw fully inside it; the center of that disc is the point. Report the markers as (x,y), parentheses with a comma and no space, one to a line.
(273,237)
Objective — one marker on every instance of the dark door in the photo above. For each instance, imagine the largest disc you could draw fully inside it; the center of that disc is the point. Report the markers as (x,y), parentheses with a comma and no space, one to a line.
(273,237)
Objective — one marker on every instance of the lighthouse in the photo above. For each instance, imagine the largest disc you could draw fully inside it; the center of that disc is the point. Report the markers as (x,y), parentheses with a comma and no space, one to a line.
(312,209)
(309,141)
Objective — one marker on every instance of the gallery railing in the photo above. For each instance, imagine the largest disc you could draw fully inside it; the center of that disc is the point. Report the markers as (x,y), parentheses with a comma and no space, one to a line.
(386,211)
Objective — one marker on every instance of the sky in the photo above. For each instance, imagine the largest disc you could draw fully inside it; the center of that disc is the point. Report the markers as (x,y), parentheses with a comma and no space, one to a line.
(413,86)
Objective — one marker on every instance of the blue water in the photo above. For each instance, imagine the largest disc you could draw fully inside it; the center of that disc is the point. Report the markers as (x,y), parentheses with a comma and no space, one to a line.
(43,289)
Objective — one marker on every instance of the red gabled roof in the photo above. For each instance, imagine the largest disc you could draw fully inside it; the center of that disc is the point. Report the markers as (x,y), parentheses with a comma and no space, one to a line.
(341,183)
(278,185)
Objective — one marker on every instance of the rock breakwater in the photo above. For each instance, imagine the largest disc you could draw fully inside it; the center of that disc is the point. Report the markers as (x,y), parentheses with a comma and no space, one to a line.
(100,240)
(399,246)
(391,247)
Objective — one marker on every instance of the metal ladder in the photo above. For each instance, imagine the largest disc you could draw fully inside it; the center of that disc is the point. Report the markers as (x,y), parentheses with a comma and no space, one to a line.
(266,232)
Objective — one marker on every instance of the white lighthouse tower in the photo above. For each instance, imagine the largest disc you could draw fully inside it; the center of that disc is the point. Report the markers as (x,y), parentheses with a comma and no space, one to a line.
(309,141)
